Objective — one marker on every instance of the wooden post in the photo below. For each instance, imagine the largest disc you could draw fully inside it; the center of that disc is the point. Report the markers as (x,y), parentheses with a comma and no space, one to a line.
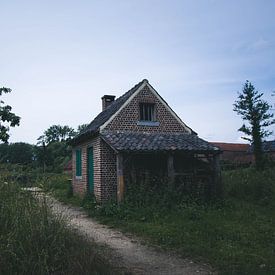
(217,176)
(170,169)
(120,177)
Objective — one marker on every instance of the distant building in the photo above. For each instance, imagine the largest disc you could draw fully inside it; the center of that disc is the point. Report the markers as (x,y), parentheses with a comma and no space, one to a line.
(242,154)
(235,153)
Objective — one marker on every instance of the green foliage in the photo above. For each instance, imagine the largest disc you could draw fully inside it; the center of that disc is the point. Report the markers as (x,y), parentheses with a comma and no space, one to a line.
(32,241)
(53,151)
(81,128)
(253,109)
(56,133)
(235,235)
(17,153)
(23,175)
(251,185)
(55,156)
(7,118)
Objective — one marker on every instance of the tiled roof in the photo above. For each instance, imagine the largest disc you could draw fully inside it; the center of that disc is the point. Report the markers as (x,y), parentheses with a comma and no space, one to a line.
(233,147)
(146,142)
(102,117)
(268,146)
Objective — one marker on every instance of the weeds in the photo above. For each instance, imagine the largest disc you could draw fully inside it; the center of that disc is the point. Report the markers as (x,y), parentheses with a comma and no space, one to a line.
(32,241)
(235,235)
(251,185)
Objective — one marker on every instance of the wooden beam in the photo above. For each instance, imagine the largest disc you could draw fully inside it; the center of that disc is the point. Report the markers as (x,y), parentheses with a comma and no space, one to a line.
(170,169)
(120,178)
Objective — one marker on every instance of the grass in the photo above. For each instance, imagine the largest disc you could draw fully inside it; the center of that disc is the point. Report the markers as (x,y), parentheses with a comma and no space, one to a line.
(33,241)
(236,235)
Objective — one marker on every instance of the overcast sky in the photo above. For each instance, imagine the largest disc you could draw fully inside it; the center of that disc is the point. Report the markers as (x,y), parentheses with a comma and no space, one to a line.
(60,57)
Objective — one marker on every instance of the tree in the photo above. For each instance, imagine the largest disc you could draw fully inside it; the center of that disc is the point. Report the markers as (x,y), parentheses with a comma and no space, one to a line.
(57,133)
(53,150)
(17,153)
(256,112)
(81,128)
(54,156)
(7,118)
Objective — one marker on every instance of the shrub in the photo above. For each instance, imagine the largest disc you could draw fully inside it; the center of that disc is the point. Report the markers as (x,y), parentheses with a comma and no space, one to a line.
(251,185)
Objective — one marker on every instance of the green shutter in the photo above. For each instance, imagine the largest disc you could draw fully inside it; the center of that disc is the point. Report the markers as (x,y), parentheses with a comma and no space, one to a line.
(78,154)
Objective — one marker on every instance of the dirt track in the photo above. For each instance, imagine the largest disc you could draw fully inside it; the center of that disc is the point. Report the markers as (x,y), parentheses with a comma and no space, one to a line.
(126,253)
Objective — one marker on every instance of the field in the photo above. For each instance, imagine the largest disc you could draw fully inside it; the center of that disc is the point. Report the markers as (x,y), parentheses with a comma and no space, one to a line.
(236,235)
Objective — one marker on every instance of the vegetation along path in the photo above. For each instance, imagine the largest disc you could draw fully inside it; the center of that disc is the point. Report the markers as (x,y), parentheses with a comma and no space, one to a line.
(126,252)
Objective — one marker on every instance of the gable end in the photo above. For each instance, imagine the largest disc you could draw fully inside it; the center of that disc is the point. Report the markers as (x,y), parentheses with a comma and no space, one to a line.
(166,118)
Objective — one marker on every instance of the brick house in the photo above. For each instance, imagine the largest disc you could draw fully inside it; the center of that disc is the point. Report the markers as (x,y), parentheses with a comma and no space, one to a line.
(138,137)
(240,155)
(237,154)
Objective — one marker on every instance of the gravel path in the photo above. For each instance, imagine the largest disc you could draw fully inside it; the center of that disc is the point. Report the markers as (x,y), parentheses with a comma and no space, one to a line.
(126,252)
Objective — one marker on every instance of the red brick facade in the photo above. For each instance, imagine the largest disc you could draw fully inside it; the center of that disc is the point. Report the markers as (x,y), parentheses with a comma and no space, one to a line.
(105,175)
(127,119)
(104,170)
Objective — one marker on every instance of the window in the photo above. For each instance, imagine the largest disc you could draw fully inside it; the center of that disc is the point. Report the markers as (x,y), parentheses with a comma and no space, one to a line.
(147,112)
(78,163)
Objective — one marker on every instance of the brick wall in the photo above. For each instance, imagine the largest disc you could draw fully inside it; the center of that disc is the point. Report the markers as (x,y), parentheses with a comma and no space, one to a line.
(104,170)
(109,174)
(80,185)
(127,119)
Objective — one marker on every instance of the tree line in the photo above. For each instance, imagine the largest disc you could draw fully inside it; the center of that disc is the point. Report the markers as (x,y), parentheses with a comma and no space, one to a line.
(51,153)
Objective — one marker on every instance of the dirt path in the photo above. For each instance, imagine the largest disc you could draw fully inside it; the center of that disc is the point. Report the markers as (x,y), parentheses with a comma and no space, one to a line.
(126,252)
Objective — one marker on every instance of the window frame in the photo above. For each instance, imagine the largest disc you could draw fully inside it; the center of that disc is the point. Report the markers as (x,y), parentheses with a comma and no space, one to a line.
(147,112)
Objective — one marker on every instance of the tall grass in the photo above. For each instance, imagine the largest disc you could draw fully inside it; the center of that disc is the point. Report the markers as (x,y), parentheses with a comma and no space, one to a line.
(251,185)
(33,241)
(236,235)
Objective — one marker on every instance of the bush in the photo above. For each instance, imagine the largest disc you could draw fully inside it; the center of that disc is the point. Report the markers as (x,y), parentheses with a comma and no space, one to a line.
(251,185)
(24,175)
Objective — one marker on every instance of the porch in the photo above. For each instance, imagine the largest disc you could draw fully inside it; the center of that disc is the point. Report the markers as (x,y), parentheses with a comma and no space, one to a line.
(185,161)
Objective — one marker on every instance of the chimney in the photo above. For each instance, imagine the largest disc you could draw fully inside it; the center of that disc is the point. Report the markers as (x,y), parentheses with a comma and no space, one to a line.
(107,100)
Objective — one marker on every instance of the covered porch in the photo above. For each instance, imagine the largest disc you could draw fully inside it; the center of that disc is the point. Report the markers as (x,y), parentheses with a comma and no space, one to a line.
(181,160)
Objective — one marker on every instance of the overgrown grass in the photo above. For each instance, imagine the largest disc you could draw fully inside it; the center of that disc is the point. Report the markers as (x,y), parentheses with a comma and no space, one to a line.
(24,175)
(33,241)
(60,186)
(251,185)
(236,235)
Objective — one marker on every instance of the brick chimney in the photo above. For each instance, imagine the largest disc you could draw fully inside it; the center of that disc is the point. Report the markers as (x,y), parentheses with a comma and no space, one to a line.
(107,100)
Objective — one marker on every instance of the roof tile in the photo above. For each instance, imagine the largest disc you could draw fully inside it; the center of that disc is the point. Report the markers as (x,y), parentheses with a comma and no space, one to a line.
(145,142)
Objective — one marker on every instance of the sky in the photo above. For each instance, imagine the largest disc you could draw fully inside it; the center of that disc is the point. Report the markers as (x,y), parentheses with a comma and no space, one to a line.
(60,57)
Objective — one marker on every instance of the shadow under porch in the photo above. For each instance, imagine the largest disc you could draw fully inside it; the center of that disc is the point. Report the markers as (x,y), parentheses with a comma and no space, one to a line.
(190,173)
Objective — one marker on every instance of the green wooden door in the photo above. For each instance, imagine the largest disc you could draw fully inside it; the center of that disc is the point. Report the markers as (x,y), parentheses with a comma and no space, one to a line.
(90,170)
